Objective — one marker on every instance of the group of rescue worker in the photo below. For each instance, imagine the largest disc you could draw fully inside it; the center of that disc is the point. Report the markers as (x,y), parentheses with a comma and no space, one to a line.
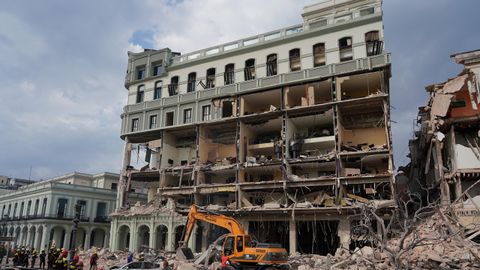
(56,259)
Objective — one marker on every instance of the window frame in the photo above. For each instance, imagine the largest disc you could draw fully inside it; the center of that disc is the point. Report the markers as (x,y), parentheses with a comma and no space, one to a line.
(317,55)
(140,93)
(292,59)
(153,121)
(273,63)
(210,78)
(157,91)
(187,116)
(135,124)
(249,72)
(229,74)
(207,117)
(345,49)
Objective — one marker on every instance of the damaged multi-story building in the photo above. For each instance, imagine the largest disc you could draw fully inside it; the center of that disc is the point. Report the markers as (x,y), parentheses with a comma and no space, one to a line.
(445,151)
(287,131)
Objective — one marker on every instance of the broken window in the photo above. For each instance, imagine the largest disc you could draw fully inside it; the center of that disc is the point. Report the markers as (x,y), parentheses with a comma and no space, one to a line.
(157,92)
(345,47)
(227,108)
(187,116)
(268,101)
(373,43)
(210,78)
(173,86)
(153,121)
(192,77)
(249,70)
(295,62)
(140,73)
(206,112)
(135,122)
(140,93)
(229,75)
(319,54)
(272,65)
(169,119)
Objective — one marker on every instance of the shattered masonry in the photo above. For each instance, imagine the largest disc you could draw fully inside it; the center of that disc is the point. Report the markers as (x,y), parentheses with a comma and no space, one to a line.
(445,152)
(288,131)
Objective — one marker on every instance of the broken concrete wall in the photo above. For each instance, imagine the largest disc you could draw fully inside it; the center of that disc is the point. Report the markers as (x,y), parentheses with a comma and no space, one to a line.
(467,150)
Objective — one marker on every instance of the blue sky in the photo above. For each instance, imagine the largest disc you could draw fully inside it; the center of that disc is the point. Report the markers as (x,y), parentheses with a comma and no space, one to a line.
(62,65)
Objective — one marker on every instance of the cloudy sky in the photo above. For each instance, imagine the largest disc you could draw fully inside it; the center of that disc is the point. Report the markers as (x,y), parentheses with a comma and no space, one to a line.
(62,65)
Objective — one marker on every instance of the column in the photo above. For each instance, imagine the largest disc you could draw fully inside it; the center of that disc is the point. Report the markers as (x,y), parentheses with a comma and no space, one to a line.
(29,236)
(153,238)
(88,235)
(170,235)
(344,233)
(106,240)
(45,236)
(292,230)
(66,239)
(133,236)
(38,238)
(113,231)
(122,182)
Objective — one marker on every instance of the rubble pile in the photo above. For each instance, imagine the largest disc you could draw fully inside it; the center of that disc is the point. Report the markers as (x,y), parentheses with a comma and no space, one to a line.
(436,243)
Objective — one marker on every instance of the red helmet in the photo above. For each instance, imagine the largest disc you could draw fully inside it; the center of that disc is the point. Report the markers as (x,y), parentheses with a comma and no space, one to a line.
(75,258)
(65,253)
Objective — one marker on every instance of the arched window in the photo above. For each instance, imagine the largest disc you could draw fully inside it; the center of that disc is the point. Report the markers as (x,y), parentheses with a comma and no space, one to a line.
(345,47)
(272,65)
(210,78)
(140,93)
(157,92)
(249,70)
(173,86)
(373,43)
(192,78)
(319,54)
(295,62)
(229,75)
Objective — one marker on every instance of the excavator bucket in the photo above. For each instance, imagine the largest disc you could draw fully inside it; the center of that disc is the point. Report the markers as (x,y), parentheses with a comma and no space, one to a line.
(184,254)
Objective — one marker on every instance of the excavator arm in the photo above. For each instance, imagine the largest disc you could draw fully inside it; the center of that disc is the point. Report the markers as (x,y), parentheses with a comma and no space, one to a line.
(220,220)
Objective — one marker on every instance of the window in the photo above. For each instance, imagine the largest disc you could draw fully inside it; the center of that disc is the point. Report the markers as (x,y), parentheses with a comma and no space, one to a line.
(319,54)
(229,75)
(173,86)
(114,186)
(135,123)
(44,206)
(169,119)
(249,71)
(227,108)
(62,208)
(141,73)
(153,121)
(83,208)
(21,209)
(345,46)
(373,43)
(272,65)
(206,113)
(29,207)
(294,57)
(157,92)
(140,93)
(9,209)
(157,70)
(239,243)
(187,116)
(367,11)
(101,209)
(210,78)
(192,77)
(15,210)
(229,245)
(35,211)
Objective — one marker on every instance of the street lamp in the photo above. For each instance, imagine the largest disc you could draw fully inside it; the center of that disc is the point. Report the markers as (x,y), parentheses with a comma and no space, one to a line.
(76,220)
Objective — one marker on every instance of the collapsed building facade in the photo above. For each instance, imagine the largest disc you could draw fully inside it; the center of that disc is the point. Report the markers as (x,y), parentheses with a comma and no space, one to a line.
(287,131)
(445,152)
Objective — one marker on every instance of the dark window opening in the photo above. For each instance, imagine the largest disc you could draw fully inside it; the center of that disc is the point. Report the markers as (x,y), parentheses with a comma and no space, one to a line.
(319,55)
(272,65)
(44,206)
(140,73)
(373,43)
(229,76)
(249,71)
(227,108)
(173,86)
(319,237)
(458,103)
(114,186)
(153,121)
(210,78)
(192,77)
(157,92)
(102,208)
(345,46)
(21,209)
(35,211)
(187,116)
(83,208)
(140,93)
(62,208)
(169,119)
(206,112)
(295,62)
(135,123)
(157,70)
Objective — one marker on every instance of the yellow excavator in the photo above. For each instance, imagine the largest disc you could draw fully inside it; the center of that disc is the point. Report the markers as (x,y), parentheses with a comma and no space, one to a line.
(242,251)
